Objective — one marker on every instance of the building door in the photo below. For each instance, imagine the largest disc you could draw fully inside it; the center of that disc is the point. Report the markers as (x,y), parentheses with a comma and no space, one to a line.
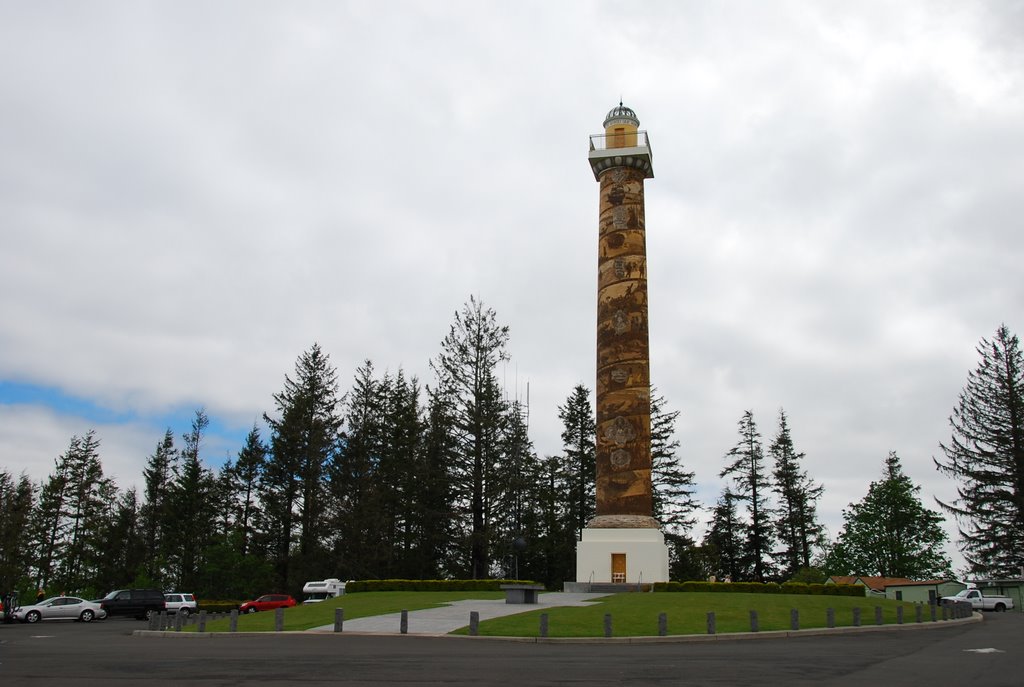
(618,567)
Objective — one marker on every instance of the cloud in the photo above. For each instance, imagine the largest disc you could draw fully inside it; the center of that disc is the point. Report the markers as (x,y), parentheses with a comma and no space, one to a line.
(191,196)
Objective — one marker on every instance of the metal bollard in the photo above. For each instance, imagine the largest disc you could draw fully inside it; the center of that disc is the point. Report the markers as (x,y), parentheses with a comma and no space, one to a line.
(177,622)
(917,612)
(662,624)
(278,619)
(878,615)
(233,623)
(933,612)
(830,617)
(339,619)
(202,621)
(856,616)
(474,623)
(403,625)
(161,620)
(899,615)
(794,619)
(753,621)
(711,623)
(945,612)
(607,624)
(543,624)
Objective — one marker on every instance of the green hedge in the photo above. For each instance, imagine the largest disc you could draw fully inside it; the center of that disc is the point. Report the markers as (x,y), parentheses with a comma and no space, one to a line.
(219,606)
(428,585)
(762,588)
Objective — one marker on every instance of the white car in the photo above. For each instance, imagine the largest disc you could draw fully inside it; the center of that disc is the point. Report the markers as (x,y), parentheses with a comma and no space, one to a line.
(60,608)
(185,604)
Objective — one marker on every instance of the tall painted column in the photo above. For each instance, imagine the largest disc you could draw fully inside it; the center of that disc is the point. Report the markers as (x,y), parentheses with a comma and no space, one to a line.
(623,542)
(623,389)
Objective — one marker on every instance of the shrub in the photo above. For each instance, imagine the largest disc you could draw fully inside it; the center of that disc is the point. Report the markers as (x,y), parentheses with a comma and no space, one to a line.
(762,588)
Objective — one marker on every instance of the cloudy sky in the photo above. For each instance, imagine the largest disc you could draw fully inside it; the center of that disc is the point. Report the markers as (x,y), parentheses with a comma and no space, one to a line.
(193,193)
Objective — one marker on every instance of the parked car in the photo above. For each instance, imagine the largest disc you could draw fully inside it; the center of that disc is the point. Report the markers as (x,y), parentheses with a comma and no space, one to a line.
(60,608)
(140,603)
(185,604)
(267,602)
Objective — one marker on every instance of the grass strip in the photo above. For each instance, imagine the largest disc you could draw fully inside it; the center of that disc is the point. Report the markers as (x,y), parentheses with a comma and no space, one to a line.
(358,605)
(636,615)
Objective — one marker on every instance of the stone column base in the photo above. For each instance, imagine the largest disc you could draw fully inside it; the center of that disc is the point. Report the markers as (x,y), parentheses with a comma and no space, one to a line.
(645,551)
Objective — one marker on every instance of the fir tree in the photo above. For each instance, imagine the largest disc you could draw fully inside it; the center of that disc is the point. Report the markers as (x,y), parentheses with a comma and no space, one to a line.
(193,508)
(16,504)
(726,541)
(796,522)
(673,485)
(467,385)
(155,512)
(304,439)
(579,452)
(245,476)
(752,486)
(986,458)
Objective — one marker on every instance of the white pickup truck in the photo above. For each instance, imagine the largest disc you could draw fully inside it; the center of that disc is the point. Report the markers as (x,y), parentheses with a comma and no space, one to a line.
(981,602)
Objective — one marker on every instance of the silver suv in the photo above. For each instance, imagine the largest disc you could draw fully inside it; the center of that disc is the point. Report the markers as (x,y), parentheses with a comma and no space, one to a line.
(181,603)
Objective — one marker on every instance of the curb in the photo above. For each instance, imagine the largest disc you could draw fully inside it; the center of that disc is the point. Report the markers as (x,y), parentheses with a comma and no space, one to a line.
(670,639)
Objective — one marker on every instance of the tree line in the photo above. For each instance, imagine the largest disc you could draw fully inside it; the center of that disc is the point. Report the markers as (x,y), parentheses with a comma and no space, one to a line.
(396,479)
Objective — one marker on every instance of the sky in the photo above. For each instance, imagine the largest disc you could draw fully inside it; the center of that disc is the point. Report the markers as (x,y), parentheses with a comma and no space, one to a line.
(192,194)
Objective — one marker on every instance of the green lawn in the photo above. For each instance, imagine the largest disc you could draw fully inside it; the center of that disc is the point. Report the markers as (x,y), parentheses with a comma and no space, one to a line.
(633,615)
(356,606)
(636,615)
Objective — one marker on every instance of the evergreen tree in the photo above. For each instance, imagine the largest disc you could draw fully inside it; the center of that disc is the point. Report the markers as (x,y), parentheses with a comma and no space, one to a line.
(673,490)
(555,535)
(752,486)
(126,561)
(890,533)
(405,466)
(193,508)
(725,540)
(435,526)
(356,491)
(578,446)
(674,504)
(72,514)
(246,475)
(467,385)
(516,494)
(155,513)
(796,521)
(47,525)
(986,458)
(16,504)
(304,440)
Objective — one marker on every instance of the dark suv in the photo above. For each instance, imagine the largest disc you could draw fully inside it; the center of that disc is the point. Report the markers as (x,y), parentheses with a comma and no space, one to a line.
(140,603)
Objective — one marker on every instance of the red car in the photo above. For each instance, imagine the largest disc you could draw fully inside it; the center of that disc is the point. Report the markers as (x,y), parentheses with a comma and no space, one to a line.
(267,602)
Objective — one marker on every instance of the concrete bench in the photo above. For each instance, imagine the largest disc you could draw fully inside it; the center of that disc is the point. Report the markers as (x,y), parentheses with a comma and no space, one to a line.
(522,593)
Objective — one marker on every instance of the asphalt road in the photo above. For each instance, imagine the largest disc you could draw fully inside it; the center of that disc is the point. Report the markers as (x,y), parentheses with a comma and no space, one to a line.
(106,653)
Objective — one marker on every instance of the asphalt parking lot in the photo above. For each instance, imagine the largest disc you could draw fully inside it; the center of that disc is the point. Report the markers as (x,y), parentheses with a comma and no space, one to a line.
(106,652)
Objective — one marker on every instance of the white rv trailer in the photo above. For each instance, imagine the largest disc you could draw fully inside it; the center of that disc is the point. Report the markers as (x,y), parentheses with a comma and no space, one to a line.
(318,590)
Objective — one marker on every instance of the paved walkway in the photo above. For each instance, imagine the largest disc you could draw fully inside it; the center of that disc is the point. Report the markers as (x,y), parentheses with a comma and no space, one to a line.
(452,616)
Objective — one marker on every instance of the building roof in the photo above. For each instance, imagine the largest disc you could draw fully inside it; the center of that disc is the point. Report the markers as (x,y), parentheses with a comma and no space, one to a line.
(877,584)
(621,114)
(921,583)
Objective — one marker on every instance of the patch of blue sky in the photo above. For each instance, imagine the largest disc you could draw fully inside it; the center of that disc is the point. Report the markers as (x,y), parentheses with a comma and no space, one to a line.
(221,439)
(14,393)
